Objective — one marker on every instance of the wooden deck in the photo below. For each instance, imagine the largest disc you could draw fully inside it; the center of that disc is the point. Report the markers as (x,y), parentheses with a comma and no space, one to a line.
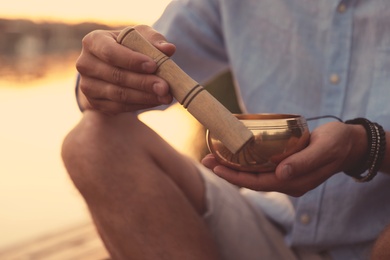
(77,243)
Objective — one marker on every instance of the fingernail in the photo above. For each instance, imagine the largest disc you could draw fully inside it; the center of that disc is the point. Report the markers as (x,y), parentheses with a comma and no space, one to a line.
(158,89)
(149,66)
(217,170)
(163,43)
(286,172)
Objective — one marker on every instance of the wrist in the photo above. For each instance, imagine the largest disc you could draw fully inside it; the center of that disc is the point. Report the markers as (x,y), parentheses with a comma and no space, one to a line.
(359,146)
(366,169)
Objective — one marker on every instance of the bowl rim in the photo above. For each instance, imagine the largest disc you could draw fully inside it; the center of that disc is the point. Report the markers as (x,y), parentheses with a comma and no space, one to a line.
(268,120)
(267,116)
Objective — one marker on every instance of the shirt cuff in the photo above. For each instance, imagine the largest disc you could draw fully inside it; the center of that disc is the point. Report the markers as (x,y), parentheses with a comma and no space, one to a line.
(77,93)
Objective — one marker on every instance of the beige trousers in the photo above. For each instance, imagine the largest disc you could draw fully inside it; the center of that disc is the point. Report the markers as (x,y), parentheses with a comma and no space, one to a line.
(240,230)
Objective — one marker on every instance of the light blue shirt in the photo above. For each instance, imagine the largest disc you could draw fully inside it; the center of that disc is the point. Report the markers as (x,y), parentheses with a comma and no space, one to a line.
(305,57)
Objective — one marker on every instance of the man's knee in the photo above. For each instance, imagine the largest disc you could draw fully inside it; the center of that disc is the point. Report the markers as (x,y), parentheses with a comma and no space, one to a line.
(381,246)
(90,148)
(79,146)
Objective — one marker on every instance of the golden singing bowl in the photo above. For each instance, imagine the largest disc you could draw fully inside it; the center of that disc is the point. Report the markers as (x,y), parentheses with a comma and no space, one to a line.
(276,136)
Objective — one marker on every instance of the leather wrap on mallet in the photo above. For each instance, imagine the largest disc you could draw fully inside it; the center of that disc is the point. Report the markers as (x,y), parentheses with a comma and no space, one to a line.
(201,104)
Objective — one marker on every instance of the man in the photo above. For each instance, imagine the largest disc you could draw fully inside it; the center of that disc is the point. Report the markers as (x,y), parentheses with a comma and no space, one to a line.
(303,57)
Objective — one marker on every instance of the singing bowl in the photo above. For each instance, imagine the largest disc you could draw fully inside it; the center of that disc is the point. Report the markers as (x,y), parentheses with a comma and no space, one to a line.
(275,137)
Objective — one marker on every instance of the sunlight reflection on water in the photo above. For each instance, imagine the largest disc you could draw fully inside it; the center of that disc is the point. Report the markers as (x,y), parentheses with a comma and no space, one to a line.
(35,193)
(37,109)
(36,196)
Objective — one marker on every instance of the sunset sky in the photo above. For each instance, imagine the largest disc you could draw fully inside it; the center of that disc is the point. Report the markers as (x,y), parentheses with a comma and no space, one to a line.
(113,11)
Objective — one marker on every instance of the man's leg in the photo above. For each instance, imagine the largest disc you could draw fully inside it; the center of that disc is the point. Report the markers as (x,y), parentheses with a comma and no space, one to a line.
(144,197)
(381,249)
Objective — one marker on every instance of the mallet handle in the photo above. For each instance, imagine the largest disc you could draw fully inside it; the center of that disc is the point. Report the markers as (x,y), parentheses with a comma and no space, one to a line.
(201,104)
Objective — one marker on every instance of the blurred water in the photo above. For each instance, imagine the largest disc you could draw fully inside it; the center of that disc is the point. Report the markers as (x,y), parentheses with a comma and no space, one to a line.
(36,196)
(37,109)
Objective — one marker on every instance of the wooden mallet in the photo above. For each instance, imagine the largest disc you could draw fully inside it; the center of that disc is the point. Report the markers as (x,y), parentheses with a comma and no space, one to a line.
(200,103)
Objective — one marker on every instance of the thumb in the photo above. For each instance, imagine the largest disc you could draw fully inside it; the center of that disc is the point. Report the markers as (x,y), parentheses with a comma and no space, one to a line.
(156,39)
(300,163)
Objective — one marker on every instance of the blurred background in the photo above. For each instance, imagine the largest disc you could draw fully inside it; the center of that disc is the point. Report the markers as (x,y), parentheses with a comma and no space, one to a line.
(39,44)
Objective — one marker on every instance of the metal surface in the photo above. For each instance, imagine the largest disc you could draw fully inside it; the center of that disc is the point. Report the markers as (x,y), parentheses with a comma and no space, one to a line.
(276,136)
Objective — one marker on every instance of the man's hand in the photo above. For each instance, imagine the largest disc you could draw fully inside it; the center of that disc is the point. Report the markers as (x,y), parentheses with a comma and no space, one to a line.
(333,147)
(115,79)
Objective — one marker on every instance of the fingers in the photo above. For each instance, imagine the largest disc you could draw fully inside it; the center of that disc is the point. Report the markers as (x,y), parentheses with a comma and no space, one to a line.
(103,45)
(260,182)
(156,39)
(118,99)
(111,73)
(270,182)
(296,186)
(209,161)
(263,181)
(125,65)
(119,77)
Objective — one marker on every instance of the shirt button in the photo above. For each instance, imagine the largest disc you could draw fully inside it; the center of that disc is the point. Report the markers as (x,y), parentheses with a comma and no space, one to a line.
(334,78)
(341,8)
(305,219)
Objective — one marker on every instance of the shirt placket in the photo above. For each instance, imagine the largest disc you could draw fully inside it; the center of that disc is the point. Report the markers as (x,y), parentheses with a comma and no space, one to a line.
(338,54)
(338,51)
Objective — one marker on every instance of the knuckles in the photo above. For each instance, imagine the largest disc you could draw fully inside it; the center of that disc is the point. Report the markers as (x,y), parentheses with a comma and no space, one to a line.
(86,88)
(118,76)
(120,95)
(81,65)
(106,53)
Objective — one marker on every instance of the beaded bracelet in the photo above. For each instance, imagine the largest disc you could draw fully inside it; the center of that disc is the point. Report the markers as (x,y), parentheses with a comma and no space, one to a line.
(376,139)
